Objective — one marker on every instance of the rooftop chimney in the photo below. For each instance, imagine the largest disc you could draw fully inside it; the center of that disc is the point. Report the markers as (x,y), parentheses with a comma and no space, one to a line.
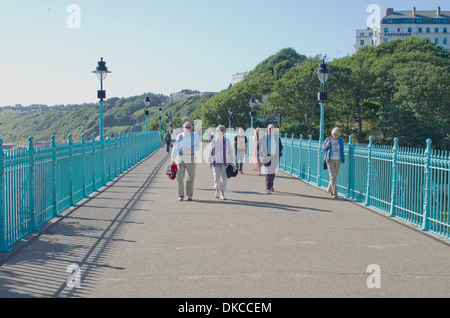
(438,12)
(414,12)
(389,11)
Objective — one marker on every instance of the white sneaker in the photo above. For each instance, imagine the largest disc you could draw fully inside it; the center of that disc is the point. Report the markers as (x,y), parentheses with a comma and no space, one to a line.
(222,197)
(217,195)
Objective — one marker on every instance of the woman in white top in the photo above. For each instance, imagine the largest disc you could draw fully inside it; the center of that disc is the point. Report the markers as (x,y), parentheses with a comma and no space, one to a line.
(221,155)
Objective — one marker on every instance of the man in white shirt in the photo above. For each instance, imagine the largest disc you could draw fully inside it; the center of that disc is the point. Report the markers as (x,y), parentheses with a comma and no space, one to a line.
(270,151)
(185,146)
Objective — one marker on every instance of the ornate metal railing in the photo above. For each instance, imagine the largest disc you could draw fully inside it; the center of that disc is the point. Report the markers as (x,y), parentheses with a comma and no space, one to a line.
(38,183)
(410,184)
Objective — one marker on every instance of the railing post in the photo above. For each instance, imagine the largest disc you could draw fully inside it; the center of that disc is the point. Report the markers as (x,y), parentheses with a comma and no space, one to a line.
(109,157)
(55,178)
(3,245)
(285,138)
(102,161)
(300,157)
(319,160)
(427,192)
(121,153)
(115,155)
(392,211)
(83,144)
(351,173)
(292,153)
(31,172)
(309,158)
(72,202)
(93,162)
(369,171)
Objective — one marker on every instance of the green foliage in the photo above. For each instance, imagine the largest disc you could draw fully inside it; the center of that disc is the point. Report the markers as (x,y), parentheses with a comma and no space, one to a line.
(397,89)
(120,115)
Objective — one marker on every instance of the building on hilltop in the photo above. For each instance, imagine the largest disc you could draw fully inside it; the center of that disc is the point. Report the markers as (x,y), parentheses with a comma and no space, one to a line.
(236,78)
(434,25)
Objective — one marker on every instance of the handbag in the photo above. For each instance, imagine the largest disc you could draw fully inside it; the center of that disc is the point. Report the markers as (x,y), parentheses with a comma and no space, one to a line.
(324,164)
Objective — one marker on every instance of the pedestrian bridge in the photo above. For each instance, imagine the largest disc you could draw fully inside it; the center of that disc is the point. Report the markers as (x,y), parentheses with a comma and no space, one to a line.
(131,237)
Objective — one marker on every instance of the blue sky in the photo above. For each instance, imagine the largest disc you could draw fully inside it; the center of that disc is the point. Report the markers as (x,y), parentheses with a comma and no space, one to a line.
(163,46)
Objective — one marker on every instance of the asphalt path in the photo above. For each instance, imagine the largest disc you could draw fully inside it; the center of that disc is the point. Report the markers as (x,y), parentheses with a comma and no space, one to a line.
(135,239)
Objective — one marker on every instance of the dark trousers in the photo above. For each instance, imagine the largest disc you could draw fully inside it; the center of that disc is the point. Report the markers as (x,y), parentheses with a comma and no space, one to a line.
(269,181)
(168,146)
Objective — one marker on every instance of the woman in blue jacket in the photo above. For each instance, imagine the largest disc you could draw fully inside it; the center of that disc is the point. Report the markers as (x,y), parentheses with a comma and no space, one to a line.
(334,156)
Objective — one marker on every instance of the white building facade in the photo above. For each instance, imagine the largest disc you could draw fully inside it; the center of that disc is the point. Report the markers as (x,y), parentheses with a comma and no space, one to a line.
(236,78)
(433,25)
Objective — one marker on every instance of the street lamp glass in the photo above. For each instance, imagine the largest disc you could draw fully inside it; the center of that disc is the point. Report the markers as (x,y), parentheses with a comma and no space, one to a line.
(147,101)
(101,70)
(323,73)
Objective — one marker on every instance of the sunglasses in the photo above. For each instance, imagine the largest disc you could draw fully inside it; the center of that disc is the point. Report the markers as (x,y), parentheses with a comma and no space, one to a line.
(188,127)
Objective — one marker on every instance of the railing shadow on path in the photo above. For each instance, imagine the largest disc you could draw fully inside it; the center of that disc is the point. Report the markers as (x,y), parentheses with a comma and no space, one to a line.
(85,240)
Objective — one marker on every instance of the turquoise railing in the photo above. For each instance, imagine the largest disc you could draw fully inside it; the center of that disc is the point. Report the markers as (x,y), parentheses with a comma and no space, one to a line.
(410,184)
(38,183)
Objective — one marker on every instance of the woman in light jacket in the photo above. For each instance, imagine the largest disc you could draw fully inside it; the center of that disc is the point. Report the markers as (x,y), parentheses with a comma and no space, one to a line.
(221,155)
(334,156)
(255,160)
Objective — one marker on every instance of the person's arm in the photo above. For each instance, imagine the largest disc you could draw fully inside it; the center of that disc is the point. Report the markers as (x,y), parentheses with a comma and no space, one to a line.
(230,153)
(326,145)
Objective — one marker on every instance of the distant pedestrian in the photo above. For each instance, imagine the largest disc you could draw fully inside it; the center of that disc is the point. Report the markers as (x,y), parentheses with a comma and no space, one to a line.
(185,146)
(270,151)
(334,156)
(161,137)
(168,139)
(240,149)
(256,162)
(220,156)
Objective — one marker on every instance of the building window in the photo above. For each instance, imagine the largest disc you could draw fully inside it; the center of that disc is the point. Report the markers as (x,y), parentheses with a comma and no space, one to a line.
(419,21)
(444,30)
(444,41)
(409,30)
(361,42)
(386,30)
(398,29)
(420,30)
(436,40)
(385,40)
(428,30)
(436,30)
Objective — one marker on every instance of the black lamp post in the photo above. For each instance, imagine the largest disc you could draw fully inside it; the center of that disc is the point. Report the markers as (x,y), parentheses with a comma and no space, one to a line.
(146,103)
(101,71)
(252,105)
(160,112)
(322,73)
(230,112)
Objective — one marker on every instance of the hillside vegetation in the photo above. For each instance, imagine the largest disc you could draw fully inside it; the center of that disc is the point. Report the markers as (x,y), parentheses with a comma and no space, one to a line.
(397,89)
